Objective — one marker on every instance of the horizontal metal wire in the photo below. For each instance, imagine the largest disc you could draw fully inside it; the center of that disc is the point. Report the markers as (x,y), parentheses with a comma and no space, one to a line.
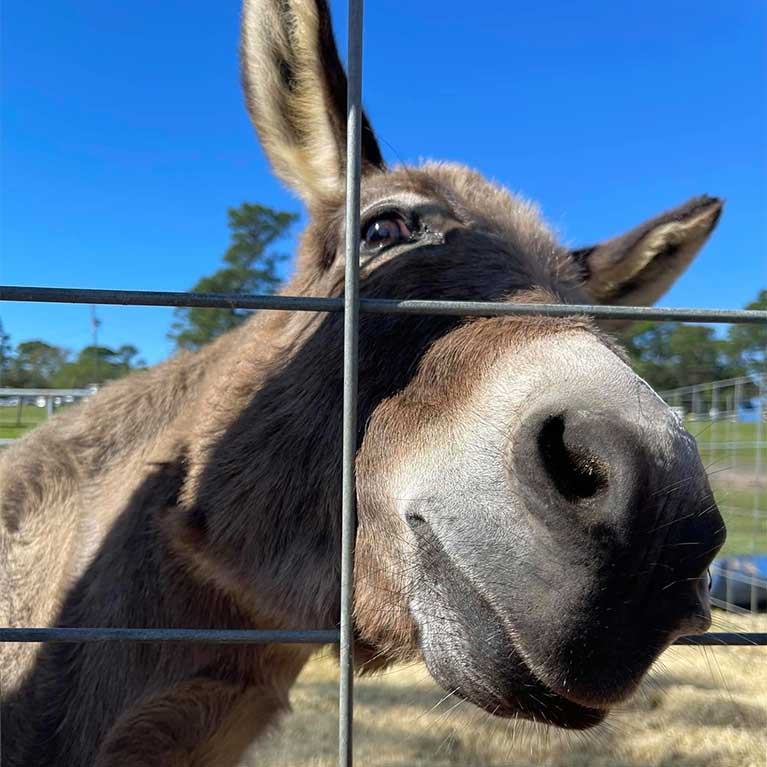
(244,636)
(722,383)
(716,445)
(723,604)
(737,576)
(10,391)
(219,636)
(163,298)
(729,639)
(373,306)
(757,514)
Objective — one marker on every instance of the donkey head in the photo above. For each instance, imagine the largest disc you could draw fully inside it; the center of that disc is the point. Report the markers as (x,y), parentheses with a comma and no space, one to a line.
(533,519)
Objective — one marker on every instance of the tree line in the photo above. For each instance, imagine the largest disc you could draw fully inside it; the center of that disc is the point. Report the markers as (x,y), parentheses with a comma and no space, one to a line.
(39,365)
(667,355)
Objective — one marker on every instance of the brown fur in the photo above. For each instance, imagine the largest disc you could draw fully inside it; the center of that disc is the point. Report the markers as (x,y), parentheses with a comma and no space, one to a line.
(206,492)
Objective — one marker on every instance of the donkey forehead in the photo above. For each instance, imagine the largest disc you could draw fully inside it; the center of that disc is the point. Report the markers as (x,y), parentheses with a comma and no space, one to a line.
(460,192)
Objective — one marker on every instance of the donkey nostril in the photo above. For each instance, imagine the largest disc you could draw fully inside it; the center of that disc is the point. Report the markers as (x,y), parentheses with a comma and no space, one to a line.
(574,471)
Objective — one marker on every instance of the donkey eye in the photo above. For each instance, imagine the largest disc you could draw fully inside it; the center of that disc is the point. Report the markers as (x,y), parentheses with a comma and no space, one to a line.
(386,230)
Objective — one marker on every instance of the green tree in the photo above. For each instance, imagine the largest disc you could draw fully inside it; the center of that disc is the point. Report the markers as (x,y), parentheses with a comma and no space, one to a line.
(746,345)
(697,355)
(127,356)
(97,364)
(6,357)
(249,267)
(35,364)
(648,346)
(669,354)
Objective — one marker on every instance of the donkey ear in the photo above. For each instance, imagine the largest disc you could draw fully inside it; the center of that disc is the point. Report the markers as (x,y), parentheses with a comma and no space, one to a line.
(640,266)
(295,89)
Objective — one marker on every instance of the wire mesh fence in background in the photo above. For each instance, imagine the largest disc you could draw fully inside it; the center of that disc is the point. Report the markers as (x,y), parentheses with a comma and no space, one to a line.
(727,418)
(23,409)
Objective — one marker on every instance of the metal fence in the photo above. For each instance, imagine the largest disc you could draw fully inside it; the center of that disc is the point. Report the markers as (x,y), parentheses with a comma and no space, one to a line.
(351,305)
(728,419)
(50,399)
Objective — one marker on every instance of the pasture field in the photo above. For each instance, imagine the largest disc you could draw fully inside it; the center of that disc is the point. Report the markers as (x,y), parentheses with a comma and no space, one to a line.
(700,707)
(746,532)
(14,424)
(724,444)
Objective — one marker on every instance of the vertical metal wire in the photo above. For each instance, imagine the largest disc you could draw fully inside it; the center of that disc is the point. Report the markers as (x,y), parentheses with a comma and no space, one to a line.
(759,437)
(735,416)
(351,328)
(732,434)
(713,416)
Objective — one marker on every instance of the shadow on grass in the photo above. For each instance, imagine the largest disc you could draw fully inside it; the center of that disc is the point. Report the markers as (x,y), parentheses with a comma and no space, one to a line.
(415,725)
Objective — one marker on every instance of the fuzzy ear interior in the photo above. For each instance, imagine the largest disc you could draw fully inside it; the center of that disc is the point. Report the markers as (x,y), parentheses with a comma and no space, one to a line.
(295,90)
(638,267)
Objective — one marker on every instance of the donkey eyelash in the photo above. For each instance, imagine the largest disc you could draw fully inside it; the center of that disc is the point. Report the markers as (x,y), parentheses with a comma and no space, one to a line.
(410,219)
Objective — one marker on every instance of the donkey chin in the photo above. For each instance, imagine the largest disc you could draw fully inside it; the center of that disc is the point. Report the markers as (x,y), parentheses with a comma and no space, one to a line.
(551,559)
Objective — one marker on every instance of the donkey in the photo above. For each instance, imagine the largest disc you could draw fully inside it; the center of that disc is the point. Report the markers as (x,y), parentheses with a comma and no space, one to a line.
(533,521)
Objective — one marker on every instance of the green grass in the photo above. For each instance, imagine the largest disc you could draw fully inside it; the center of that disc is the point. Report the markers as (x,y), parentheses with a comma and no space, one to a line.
(12,426)
(731,469)
(743,432)
(745,533)
(724,444)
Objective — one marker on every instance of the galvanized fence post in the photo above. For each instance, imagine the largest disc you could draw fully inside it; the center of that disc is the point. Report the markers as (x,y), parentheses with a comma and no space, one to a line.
(351,350)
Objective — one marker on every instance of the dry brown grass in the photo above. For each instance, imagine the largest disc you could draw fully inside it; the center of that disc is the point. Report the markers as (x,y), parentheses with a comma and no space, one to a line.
(699,708)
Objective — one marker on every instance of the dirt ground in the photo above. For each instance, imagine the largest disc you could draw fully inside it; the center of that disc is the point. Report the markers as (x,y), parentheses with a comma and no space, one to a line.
(700,707)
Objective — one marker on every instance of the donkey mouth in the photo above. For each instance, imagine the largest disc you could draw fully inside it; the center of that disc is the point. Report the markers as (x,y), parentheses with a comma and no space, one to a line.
(511,689)
(540,703)
(537,702)
(560,712)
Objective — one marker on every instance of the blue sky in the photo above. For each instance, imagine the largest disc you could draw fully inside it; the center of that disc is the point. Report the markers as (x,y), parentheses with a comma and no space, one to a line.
(124,136)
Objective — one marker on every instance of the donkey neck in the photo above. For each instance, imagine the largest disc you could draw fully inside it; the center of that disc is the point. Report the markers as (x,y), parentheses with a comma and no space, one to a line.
(264,473)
